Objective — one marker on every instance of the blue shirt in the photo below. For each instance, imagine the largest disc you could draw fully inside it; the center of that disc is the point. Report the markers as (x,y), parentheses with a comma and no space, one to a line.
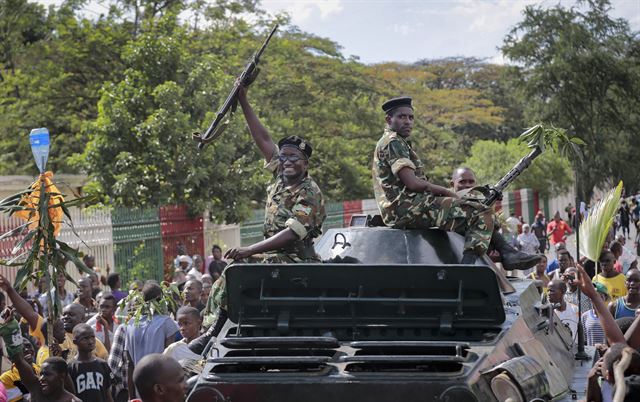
(552,266)
(148,336)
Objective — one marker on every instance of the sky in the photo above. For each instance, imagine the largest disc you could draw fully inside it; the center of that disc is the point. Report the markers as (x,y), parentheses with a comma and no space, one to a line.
(376,31)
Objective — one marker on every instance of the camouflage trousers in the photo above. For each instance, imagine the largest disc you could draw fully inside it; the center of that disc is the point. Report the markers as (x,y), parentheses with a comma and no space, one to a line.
(471,219)
(218,295)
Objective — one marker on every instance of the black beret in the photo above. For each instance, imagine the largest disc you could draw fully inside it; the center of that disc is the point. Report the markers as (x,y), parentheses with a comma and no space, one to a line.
(296,142)
(396,102)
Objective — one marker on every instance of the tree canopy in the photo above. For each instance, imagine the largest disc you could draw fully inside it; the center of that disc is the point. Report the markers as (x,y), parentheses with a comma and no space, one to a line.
(578,68)
(122,92)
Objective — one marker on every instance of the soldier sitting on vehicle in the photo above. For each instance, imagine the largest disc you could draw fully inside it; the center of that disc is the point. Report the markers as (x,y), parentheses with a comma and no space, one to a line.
(408,200)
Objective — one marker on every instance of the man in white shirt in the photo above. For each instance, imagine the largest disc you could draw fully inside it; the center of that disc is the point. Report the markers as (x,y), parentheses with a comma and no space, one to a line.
(60,292)
(512,224)
(566,312)
(105,323)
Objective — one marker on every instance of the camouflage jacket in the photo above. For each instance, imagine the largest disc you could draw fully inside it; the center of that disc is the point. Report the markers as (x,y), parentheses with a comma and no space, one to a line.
(392,154)
(300,208)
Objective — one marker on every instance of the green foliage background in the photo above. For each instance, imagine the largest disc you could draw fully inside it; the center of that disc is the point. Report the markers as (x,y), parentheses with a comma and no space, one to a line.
(121,94)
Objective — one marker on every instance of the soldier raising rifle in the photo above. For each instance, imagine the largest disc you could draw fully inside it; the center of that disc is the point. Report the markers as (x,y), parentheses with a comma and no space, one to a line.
(294,210)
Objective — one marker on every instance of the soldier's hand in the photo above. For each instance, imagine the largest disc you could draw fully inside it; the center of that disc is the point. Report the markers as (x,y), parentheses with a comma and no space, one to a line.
(242,89)
(238,253)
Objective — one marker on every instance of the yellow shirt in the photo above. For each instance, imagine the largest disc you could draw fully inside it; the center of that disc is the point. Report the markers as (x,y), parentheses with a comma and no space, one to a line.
(545,289)
(43,353)
(615,286)
(37,333)
(9,377)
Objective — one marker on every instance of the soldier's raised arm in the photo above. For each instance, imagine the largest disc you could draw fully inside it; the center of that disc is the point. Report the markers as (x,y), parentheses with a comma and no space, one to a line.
(259,133)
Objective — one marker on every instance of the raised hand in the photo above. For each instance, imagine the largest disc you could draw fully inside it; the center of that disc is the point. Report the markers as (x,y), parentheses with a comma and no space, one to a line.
(584,283)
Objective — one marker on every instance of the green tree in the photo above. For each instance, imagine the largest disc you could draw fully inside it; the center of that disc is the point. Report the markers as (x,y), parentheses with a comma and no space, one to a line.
(549,173)
(55,83)
(447,111)
(579,69)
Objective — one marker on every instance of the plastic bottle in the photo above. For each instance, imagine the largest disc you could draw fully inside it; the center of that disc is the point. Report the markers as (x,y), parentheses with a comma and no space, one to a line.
(39,140)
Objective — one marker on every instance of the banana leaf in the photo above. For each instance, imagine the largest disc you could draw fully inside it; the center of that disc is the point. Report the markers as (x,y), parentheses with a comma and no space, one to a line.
(48,256)
(72,254)
(14,232)
(594,229)
(20,244)
(15,198)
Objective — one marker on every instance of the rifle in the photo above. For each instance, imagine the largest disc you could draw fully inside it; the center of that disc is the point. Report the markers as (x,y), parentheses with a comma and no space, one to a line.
(247,76)
(492,194)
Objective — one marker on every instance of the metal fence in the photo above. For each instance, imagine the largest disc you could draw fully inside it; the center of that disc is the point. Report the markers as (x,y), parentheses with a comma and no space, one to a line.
(225,236)
(7,244)
(93,235)
(335,216)
(141,243)
(251,230)
(137,244)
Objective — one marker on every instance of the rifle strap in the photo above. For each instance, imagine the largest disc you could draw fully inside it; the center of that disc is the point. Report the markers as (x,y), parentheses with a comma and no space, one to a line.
(220,129)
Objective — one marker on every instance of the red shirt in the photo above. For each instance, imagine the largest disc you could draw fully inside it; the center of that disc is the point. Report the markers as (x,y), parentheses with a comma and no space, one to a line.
(558,231)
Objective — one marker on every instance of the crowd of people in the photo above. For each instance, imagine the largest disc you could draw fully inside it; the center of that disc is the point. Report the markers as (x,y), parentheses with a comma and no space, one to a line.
(608,305)
(98,353)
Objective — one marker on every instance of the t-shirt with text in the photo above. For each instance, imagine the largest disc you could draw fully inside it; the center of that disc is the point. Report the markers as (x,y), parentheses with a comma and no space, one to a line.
(91,379)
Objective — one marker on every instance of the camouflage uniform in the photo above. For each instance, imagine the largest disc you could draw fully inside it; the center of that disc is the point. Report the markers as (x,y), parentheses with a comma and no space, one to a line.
(300,208)
(402,208)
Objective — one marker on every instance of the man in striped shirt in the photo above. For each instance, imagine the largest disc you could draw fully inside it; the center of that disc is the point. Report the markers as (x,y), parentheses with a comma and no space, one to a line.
(593,331)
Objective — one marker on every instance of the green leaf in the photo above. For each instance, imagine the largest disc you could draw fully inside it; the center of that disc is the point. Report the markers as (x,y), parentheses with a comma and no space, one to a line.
(66,212)
(22,275)
(14,199)
(72,255)
(15,231)
(24,241)
(76,202)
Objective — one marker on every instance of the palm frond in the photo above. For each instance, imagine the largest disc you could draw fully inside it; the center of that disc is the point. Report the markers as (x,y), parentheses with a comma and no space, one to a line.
(594,229)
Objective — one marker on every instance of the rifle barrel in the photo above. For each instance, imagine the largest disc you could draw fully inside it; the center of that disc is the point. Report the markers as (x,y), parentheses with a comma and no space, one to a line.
(266,42)
(517,170)
(496,191)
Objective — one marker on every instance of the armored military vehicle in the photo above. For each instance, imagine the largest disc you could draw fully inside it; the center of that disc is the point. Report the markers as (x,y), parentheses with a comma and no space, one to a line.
(397,319)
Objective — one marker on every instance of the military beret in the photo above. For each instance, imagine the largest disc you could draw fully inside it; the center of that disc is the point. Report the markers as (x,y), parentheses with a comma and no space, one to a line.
(396,103)
(296,142)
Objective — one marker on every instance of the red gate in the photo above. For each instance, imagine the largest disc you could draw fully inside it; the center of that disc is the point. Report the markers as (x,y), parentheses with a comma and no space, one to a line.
(178,228)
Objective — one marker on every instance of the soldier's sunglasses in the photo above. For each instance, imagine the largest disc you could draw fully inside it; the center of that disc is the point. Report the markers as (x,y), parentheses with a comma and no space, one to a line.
(290,158)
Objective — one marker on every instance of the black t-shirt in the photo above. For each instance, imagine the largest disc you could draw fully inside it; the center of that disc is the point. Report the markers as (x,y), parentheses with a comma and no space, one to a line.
(539,229)
(624,215)
(92,379)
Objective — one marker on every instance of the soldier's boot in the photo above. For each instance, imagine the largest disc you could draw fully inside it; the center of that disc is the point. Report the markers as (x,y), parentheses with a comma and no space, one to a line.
(512,258)
(471,257)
